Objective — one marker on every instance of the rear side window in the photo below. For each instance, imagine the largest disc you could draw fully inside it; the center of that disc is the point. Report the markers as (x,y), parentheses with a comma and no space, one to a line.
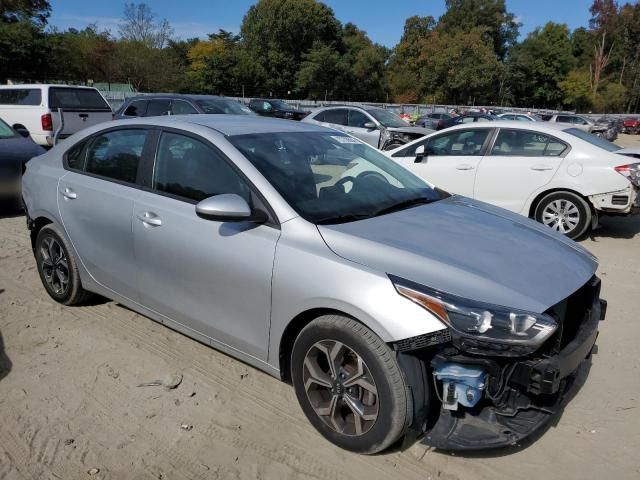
(75,158)
(521,143)
(564,119)
(190,169)
(77,99)
(158,108)
(20,96)
(116,155)
(337,116)
(136,109)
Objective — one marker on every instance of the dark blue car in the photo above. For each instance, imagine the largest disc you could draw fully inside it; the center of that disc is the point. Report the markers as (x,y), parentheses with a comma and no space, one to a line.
(15,152)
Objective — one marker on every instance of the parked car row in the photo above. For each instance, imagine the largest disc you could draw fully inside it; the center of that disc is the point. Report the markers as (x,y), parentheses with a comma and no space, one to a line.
(397,311)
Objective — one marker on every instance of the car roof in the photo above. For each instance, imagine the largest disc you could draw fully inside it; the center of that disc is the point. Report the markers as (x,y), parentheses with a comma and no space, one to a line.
(177,96)
(229,125)
(46,85)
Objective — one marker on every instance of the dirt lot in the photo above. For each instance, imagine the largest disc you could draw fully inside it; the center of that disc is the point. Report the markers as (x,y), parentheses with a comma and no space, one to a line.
(70,401)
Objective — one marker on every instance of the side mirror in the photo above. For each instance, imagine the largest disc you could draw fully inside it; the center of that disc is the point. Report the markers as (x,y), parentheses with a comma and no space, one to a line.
(419,154)
(228,207)
(370,126)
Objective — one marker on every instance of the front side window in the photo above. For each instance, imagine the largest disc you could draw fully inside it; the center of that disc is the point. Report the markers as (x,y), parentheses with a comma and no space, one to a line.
(319,117)
(337,116)
(358,119)
(523,143)
(20,96)
(158,108)
(329,177)
(136,109)
(459,143)
(180,107)
(192,170)
(565,119)
(116,155)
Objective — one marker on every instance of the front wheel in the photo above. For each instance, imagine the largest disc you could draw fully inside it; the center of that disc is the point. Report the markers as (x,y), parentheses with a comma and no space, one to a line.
(349,384)
(564,212)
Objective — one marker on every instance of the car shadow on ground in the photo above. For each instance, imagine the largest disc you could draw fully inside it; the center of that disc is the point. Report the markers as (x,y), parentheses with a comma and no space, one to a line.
(5,363)
(577,382)
(10,211)
(616,227)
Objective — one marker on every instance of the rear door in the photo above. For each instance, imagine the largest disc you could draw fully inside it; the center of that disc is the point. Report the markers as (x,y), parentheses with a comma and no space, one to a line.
(519,163)
(81,108)
(96,198)
(451,159)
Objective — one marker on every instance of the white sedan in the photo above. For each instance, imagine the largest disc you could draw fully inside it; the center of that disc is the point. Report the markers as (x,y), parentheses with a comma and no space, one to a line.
(559,175)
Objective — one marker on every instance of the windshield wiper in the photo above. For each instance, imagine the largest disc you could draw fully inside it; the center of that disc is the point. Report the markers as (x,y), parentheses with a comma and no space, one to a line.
(348,217)
(403,205)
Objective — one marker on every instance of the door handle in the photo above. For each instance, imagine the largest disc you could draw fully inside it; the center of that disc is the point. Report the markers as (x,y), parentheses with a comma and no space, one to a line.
(69,194)
(541,168)
(464,166)
(150,219)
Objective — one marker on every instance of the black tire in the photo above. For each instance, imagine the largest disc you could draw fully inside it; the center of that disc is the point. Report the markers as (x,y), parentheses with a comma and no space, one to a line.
(393,404)
(574,222)
(50,242)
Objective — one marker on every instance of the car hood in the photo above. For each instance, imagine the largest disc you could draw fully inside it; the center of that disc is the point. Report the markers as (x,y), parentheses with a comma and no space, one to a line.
(18,149)
(410,129)
(470,249)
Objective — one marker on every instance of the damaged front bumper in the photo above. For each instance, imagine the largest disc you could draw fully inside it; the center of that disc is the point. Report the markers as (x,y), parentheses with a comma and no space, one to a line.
(517,399)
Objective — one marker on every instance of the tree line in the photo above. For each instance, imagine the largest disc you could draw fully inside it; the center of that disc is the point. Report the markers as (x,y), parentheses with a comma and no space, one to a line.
(472,54)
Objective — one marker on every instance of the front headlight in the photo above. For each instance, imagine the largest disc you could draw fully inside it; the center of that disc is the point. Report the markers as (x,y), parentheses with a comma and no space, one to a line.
(480,321)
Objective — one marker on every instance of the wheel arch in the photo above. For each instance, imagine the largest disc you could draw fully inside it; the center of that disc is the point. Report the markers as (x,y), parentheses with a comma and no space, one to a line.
(293,329)
(35,225)
(534,203)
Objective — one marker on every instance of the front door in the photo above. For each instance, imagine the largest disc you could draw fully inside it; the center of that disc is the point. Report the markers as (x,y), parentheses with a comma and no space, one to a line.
(450,161)
(212,277)
(356,127)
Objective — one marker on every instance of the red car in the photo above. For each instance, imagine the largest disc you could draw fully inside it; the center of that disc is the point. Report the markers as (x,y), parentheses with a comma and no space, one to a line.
(631,125)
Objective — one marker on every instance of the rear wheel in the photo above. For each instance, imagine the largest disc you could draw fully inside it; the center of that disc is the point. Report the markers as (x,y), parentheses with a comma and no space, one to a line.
(58,268)
(564,212)
(349,384)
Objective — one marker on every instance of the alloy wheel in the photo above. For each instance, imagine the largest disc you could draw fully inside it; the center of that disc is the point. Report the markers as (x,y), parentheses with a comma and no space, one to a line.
(340,388)
(561,215)
(55,266)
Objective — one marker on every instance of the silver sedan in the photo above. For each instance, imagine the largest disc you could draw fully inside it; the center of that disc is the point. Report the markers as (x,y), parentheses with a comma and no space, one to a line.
(395,309)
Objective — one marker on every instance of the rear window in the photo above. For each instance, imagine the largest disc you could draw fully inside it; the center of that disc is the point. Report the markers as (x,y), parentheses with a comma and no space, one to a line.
(20,96)
(593,139)
(77,99)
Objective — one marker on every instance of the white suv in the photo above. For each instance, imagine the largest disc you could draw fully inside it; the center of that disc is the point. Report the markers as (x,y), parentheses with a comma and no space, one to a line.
(32,110)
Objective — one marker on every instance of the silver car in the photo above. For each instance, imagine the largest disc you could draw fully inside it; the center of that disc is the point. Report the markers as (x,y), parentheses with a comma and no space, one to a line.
(378,127)
(395,309)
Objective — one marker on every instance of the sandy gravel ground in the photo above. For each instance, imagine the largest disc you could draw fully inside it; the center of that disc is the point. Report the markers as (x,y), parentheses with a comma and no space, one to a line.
(71,408)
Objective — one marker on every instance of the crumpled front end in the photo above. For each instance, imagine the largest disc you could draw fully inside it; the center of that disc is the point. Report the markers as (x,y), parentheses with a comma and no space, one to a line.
(490,396)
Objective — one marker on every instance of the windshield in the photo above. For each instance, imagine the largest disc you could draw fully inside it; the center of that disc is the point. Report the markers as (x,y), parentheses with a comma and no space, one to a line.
(330,177)
(387,118)
(593,139)
(6,131)
(222,105)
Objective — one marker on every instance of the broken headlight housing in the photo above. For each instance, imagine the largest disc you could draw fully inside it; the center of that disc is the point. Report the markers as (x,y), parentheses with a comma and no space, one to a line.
(482,326)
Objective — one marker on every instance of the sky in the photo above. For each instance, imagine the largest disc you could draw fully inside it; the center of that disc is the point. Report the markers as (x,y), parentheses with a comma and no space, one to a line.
(383,20)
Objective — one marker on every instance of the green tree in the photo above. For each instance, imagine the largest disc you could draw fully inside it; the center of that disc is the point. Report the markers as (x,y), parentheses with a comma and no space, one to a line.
(277,34)
(318,72)
(498,26)
(576,90)
(539,64)
(35,11)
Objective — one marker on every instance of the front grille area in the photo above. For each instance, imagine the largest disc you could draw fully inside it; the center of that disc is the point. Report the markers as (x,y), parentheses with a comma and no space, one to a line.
(573,311)
(423,341)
